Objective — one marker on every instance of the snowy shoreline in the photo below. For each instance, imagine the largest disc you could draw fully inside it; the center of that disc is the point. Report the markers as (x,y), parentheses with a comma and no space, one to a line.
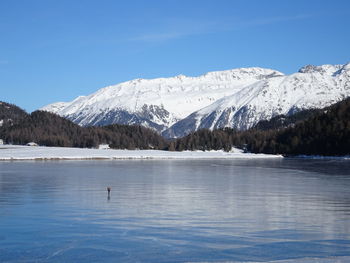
(22,153)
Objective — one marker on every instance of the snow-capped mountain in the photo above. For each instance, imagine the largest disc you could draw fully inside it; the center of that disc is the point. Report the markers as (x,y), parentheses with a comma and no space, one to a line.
(311,87)
(157,103)
(236,98)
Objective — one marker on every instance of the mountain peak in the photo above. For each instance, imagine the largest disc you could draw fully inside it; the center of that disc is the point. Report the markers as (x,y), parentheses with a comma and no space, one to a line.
(323,69)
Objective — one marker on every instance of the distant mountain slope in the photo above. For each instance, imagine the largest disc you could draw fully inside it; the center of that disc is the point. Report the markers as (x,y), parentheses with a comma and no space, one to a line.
(285,121)
(311,88)
(50,129)
(157,103)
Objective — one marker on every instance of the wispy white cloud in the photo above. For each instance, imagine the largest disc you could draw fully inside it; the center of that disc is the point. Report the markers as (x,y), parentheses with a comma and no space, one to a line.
(176,28)
(157,37)
(192,28)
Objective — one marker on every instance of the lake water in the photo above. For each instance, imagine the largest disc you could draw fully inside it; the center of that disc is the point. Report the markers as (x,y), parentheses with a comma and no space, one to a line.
(175,211)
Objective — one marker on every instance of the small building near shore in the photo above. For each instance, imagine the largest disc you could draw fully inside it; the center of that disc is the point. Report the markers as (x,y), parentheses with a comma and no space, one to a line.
(103,147)
(1,141)
(32,144)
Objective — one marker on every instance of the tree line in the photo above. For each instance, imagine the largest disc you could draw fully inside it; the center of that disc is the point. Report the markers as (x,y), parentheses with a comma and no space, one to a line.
(49,129)
(312,132)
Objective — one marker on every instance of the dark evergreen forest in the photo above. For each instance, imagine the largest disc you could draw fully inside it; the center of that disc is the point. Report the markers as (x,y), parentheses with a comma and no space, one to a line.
(311,132)
(49,129)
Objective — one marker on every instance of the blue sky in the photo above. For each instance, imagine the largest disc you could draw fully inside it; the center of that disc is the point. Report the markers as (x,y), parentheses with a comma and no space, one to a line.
(57,50)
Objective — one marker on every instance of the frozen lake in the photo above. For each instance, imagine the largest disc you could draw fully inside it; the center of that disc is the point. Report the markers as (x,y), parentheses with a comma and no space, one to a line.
(282,210)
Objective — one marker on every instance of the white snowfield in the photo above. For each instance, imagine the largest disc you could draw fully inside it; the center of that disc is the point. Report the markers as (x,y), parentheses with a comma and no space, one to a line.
(15,152)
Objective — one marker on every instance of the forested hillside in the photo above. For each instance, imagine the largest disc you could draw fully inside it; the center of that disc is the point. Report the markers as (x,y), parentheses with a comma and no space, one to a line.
(284,121)
(10,114)
(324,132)
(50,129)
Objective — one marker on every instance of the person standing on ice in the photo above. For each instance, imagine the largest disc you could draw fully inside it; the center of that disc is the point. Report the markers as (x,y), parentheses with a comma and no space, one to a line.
(109,192)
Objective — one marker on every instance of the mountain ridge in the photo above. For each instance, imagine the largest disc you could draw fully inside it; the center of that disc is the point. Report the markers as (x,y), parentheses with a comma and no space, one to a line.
(237,98)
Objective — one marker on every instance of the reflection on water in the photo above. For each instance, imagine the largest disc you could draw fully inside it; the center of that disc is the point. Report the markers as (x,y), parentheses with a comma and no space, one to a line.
(174,211)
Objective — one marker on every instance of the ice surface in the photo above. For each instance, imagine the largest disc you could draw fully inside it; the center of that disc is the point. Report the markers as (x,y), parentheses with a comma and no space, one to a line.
(297,260)
(232,210)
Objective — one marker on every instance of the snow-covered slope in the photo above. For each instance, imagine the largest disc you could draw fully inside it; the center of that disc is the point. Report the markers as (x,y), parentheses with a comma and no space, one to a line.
(236,98)
(157,103)
(56,107)
(311,87)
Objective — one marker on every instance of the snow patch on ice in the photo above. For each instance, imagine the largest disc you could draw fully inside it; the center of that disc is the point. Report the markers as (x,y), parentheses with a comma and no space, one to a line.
(13,152)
